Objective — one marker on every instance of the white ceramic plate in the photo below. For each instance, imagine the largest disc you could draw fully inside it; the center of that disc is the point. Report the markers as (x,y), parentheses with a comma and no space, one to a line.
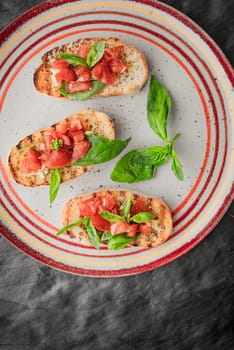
(200,81)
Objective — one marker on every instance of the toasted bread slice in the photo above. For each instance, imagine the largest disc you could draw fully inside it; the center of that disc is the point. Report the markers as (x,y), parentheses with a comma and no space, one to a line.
(126,83)
(96,122)
(161,225)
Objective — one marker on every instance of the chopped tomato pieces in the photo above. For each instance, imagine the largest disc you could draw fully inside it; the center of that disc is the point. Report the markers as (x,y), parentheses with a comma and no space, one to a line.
(137,206)
(145,228)
(83,73)
(100,223)
(102,71)
(31,162)
(65,74)
(60,64)
(62,128)
(123,227)
(77,86)
(83,50)
(80,149)
(59,158)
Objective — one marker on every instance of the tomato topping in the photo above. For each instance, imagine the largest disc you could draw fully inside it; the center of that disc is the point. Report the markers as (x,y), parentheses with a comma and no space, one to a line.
(89,206)
(66,74)
(83,73)
(60,64)
(59,158)
(78,136)
(138,206)
(107,202)
(82,50)
(31,162)
(76,125)
(100,223)
(123,227)
(102,71)
(80,149)
(77,86)
(62,128)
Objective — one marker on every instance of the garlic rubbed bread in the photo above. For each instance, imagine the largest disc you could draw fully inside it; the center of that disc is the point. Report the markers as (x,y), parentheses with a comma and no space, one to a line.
(121,67)
(154,232)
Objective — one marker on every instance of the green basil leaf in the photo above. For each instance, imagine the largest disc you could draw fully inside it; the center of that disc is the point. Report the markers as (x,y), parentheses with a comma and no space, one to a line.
(125,210)
(93,235)
(106,236)
(158,107)
(95,53)
(142,217)
(102,150)
(158,155)
(55,181)
(119,241)
(176,166)
(67,227)
(133,167)
(83,95)
(72,59)
(110,216)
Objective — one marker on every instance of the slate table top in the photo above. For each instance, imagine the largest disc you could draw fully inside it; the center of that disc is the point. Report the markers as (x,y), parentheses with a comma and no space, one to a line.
(185,305)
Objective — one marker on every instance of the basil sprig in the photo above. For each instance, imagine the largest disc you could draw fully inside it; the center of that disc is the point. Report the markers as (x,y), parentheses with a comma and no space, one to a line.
(97,86)
(120,241)
(102,150)
(139,165)
(55,181)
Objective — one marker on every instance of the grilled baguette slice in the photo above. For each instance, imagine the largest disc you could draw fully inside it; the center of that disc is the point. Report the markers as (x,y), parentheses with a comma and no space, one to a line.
(128,82)
(96,122)
(161,226)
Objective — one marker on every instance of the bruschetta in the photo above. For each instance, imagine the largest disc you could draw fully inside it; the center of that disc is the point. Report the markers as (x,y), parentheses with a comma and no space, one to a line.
(91,67)
(117,219)
(64,150)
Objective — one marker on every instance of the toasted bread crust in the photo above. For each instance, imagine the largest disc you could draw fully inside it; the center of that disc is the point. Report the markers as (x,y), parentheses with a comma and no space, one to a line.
(97,122)
(127,83)
(161,226)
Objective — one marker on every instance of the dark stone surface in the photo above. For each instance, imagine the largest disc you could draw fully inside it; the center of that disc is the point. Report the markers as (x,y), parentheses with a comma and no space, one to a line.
(188,304)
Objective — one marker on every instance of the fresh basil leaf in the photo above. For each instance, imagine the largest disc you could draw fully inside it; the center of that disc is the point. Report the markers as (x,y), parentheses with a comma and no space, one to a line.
(119,241)
(67,227)
(142,217)
(176,166)
(95,53)
(158,107)
(133,167)
(72,59)
(55,181)
(102,150)
(93,235)
(125,210)
(106,236)
(110,216)
(158,155)
(82,95)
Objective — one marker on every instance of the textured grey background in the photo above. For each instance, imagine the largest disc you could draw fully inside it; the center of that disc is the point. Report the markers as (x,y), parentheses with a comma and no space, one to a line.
(186,305)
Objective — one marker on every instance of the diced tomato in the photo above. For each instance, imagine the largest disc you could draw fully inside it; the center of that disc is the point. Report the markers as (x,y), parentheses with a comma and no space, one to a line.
(117,66)
(82,50)
(31,162)
(89,206)
(123,227)
(80,149)
(107,202)
(61,128)
(76,125)
(103,72)
(145,228)
(66,140)
(78,136)
(138,206)
(59,158)
(100,223)
(83,73)
(66,74)
(77,86)
(60,64)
